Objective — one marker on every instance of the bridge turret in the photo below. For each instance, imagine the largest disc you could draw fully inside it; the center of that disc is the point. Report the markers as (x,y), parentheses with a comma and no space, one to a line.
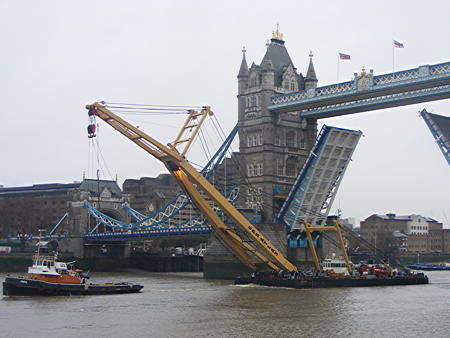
(272,146)
(243,73)
(311,78)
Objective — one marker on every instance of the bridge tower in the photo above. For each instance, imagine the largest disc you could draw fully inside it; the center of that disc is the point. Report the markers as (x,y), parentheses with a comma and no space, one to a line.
(107,197)
(273,147)
(272,150)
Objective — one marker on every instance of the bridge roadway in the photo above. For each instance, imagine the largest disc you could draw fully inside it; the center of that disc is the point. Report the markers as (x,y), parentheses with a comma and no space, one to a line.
(368,92)
(130,235)
(146,234)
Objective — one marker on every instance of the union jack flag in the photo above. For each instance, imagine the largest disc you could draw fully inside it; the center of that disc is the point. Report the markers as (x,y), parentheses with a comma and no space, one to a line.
(343,56)
(398,44)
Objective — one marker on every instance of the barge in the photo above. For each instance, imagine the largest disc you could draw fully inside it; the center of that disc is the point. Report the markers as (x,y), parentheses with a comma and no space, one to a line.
(312,282)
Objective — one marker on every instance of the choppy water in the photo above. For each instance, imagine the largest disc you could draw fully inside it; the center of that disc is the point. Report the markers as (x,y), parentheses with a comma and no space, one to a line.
(185,305)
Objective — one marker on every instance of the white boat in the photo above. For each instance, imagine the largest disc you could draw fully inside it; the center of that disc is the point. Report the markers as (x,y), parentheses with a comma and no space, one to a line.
(337,265)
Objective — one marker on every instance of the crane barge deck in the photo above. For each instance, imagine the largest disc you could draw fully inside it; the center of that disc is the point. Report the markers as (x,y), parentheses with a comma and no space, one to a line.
(328,281)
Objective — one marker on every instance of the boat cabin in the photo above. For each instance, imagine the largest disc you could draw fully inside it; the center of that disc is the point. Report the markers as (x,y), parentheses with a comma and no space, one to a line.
(337,265)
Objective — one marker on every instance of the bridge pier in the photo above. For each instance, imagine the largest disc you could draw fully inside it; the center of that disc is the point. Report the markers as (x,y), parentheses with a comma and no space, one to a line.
(107,249)
(220,263)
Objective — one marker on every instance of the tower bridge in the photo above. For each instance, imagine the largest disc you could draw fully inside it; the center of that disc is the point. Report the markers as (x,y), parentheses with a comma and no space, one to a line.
(278,108)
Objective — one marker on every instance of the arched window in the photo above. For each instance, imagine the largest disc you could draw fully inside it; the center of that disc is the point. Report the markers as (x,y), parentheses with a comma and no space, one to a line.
(290,139)
(277,140)
(280,167)
(291,167)
(293,85)
(250,170)
(302,143)
(259,169)
(259,138)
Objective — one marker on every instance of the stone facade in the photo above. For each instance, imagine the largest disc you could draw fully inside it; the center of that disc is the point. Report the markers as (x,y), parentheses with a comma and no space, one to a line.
(423,234)
(149,194)
(273,147)
(25,209)
(272,150)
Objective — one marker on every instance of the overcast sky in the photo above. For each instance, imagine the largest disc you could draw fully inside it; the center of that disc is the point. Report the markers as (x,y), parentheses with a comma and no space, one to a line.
(58,56)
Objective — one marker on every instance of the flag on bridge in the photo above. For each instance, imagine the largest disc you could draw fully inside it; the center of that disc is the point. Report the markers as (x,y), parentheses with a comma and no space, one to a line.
(398,44)
(343,56)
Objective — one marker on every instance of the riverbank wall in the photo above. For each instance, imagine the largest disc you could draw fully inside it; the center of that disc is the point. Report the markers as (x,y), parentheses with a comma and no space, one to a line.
(144,261)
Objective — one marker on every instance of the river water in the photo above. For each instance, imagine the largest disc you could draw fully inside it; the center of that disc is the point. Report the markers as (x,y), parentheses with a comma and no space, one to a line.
(185,305)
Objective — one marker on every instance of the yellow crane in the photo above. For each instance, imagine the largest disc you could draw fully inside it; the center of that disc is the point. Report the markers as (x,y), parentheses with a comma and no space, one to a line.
(255,246)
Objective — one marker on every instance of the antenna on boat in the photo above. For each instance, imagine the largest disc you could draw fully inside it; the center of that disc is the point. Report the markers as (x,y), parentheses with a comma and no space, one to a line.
(39,240)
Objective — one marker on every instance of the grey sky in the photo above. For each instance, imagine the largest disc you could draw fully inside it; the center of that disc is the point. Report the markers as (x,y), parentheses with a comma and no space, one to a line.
(59,55)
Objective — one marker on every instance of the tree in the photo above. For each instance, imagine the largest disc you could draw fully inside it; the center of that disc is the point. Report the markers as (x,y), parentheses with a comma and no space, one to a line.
(387,244)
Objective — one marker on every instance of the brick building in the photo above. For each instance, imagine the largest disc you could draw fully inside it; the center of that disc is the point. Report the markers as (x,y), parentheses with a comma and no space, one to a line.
(149,194)
(423,234)
(28,208)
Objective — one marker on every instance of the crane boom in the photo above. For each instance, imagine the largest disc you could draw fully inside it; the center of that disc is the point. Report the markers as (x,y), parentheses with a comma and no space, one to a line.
(193,183)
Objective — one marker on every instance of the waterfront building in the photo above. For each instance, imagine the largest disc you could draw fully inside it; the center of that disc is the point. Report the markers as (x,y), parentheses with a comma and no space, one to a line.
(27,208)
(421,234)
(350,222)
(148,194)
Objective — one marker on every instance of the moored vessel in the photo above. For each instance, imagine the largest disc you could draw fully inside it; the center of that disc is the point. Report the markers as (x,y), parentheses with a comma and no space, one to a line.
(49,277)
(335,273)
(326,280)
(430,267)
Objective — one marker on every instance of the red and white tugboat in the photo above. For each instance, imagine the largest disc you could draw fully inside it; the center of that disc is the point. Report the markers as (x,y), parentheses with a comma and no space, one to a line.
(48,277)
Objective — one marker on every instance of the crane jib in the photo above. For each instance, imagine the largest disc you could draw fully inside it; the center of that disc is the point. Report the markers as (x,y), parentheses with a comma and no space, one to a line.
(193,183)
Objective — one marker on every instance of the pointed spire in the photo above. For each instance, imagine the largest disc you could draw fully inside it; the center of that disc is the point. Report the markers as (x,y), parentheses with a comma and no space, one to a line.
(276,53)
(310,79)
(311,73)
(243,71)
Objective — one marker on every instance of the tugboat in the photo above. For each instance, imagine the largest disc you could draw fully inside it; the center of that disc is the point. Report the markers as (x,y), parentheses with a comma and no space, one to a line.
(48,277)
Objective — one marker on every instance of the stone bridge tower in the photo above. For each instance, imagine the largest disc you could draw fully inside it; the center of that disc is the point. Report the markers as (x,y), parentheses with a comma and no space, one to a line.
(273,147)
(106,196)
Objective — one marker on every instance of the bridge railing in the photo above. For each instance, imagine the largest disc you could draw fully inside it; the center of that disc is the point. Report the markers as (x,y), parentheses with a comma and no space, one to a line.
(380,81)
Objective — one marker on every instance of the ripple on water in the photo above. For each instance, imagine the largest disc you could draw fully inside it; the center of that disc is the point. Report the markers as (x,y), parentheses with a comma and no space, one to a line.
(180,305)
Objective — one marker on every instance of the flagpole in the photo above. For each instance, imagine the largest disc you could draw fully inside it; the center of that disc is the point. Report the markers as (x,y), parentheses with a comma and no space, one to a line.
(339,59)
(393,60)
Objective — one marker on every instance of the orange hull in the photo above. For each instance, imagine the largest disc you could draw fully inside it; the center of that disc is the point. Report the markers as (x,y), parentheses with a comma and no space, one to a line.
(62,279)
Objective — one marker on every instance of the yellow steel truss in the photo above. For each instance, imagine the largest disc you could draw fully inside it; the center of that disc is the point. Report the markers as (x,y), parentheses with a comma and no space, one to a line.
(192,182)
(336,227)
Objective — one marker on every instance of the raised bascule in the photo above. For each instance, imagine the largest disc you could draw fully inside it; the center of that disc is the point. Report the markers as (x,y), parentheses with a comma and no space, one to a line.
(440,129)
(315,187)
(285,174)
